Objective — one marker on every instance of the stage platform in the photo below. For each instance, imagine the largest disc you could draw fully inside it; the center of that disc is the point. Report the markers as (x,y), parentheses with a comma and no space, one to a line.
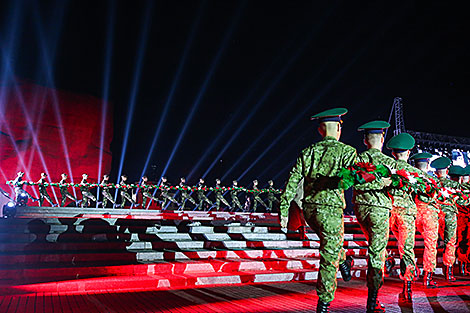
(75,254)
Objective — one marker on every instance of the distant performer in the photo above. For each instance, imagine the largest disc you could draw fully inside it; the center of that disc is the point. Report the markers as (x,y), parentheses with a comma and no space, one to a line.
(42,190)
(85,190)
(146,193)
(271,198)
(164,188)
(105,186)
(234,195)
(64,192)
(19,191)
(202,198)
(219,195)
(124,190)
(185,196)
(256,197)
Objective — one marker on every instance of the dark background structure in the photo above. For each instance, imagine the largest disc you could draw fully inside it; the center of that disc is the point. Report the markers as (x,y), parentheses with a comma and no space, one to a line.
(257,69)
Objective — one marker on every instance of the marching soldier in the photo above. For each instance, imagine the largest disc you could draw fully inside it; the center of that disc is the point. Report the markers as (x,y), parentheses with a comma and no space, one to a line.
(146,194)
(463,249)
(19,190)
(403,217)
(185,196)
(449,209)
(105,191)
(124,190)
(234,195)
(271,198)
(43,191)
(256,198)
(64,192)
(202,198)
(219,195)
(164,187)
(372,207)
(85,190)
(427,219)
(323,201)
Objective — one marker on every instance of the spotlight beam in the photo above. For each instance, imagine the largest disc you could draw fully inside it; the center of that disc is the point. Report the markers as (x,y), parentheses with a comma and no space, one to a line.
(203,88)
(173,87)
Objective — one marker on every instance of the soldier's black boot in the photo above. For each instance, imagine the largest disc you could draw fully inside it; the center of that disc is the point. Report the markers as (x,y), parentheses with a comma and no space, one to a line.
(463,269)
(406,295)
(373,304)
(389,264)
(427,280)
(323,307)
(345,268)
(449,274)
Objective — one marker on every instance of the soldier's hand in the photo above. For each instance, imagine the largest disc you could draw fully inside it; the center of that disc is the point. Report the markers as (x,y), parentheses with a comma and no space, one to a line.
(284,220)
(387,181)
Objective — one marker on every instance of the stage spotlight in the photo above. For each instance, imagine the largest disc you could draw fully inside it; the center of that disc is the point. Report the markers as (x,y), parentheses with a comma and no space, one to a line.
(9,209)
(22,199)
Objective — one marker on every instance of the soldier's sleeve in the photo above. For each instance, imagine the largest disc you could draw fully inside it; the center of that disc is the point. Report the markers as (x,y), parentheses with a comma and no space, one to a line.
(291,188)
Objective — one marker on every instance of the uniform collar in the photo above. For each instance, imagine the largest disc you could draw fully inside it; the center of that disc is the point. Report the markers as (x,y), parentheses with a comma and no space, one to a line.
(329,138)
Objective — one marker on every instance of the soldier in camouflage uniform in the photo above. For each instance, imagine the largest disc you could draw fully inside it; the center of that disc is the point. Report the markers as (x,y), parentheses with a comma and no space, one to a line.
(427,220)
(85,190)
(164,187)
(372,207)
(449,217)
(43,191)
(124,191)
(219,195)
(403,217)
(105,191)
(256,198)
(19,190)
(146,193)
(323,200)
(462,201)
(202,198)
(185,196)
(234,195)
(271,198)
(64,192)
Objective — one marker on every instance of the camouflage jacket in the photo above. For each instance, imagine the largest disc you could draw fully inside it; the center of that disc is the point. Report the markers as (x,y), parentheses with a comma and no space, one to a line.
(448,203)
(319,166)
(374,193)
(424,197)
(401,198)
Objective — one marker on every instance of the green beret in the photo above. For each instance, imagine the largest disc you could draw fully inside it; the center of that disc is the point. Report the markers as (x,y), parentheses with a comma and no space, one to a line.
(331,115)
(456,170)
(403,141)
(421,156)
(441,163)
(374,127)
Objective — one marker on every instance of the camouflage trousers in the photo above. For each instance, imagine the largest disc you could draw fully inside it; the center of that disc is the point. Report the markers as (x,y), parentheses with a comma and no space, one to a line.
(427,223)
(328,224)
(463,237)
(448,232)
(147,195)
(86,197)
(236,203)
(43,195)
(374,223)
(107,197)
(186,197)
(125,196)
(256,200)
(203,199)
(272,201)
(66,194)
(220,198)
(403,226)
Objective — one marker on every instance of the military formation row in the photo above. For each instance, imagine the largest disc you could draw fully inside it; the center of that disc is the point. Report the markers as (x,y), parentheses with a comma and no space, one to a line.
(128,193)
(388,193)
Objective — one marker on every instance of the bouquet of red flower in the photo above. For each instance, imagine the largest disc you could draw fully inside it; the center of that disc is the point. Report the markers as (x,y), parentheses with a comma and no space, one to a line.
(361,173)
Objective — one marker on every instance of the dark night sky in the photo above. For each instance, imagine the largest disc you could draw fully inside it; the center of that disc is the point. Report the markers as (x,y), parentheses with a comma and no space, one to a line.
(282,62)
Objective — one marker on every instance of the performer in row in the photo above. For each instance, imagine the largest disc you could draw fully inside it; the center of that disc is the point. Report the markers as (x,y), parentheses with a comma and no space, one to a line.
(236,205)
(219,195)
(105,186)
(85,190)
(256,197)
(18,184)
(124,190)
(164,188)
(146,193)
(185,196)
(43,195)
(63,187)
(201,196)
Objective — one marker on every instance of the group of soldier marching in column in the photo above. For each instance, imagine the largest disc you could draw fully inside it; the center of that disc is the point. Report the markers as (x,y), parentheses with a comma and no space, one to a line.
(148,193)
(438,205)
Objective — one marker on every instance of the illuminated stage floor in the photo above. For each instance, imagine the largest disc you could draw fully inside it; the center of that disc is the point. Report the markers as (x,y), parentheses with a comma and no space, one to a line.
(291,297)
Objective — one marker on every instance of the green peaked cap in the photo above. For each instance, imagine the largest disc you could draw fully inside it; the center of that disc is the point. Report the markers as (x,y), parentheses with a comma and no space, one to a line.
(403,141)
(331,115)
(374,127)
(441,163)
(456,170)
(421,156)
